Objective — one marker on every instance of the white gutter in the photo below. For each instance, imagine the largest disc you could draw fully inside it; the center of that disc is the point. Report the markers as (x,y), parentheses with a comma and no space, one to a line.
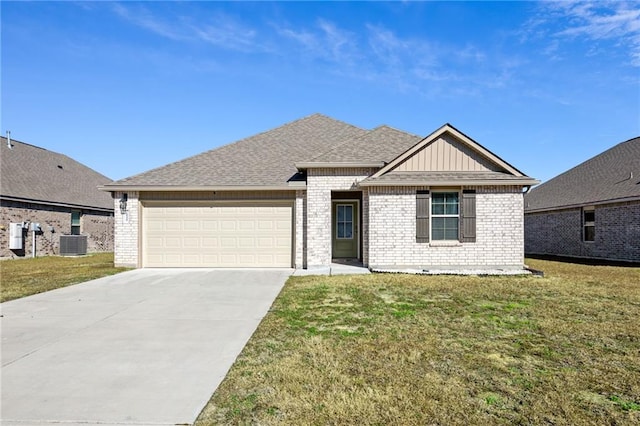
(328,165)
(173,188)
(515,182)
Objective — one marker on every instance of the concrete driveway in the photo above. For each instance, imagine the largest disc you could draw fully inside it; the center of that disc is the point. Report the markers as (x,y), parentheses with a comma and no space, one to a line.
(145,347)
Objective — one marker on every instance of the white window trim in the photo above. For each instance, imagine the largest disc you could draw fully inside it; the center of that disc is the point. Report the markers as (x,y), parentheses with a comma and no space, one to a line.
(353,228)
(432,216)
(79,225)
(585,224)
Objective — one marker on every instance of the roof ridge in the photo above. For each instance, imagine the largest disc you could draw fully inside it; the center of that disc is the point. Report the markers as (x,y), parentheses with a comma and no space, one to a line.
(367,132)
(31,145)
(397,130)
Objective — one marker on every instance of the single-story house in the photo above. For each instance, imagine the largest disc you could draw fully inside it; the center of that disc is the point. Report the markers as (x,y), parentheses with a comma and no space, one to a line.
(591,211)
(40,187)
(318,189)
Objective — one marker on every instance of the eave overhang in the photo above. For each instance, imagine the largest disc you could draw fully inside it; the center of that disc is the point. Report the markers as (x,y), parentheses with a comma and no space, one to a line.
(585,204)
(450,182)
(176,188)
(56,204)
(346,165)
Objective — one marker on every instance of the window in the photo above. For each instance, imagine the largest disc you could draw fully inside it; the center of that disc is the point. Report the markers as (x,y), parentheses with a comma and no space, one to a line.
(344,221)
(75,222)
(589,224)
(445,216)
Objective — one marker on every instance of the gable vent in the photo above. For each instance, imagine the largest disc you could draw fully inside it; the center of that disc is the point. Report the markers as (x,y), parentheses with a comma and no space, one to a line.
(73,245)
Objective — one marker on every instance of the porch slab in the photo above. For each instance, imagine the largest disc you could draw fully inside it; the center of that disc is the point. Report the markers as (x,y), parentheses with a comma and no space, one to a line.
(333,269)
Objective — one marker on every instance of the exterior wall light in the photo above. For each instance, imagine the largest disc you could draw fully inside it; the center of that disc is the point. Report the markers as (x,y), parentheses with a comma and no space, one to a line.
(123,203)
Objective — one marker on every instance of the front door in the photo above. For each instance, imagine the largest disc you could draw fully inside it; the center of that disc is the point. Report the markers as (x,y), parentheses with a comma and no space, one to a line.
(345,226)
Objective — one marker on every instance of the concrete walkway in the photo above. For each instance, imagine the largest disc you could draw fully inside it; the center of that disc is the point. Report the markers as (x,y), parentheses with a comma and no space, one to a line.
(350,268)
(145,347)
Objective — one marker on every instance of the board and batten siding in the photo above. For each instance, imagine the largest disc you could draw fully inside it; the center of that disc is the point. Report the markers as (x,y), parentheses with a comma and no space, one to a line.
(446,154)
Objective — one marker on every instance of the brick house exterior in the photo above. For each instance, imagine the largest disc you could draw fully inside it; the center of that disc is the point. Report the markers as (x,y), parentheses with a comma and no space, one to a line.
(319,190)
(40,186)
(591,211)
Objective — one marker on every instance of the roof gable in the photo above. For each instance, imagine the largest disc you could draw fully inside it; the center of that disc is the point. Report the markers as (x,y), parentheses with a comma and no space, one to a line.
(35,174)
(448,150)
(613,175)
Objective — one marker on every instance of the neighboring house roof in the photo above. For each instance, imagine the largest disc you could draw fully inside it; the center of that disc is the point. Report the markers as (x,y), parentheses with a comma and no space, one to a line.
(265,160)
(33,174)
(278,159)
(611,176)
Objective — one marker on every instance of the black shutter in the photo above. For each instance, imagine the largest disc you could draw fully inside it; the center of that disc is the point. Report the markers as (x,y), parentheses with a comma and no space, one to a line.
(468,217)
(422,216)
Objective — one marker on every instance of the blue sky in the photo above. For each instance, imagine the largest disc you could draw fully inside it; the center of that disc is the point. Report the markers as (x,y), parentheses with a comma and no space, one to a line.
(129,86)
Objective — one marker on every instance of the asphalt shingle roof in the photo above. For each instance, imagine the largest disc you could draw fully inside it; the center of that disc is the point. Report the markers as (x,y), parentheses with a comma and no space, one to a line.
(611,175)
(36,174)
(266,159)
(381,144)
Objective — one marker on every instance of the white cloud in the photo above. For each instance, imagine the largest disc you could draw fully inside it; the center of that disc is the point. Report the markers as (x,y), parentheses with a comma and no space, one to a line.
(143,18)
(617,21)
(325,40)
(218,30)
(225,32)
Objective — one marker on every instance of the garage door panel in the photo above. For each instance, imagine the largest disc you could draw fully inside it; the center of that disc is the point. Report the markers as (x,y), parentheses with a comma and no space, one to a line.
(241,235)
(192,243)
(209,225)
(210,242)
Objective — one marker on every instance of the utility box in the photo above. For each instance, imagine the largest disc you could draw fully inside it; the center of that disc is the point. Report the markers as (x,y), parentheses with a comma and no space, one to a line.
(73,245)
(16,236)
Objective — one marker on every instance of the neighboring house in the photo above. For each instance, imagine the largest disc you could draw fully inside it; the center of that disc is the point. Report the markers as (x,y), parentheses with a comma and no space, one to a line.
(318,189)
(55,191)
(591,211)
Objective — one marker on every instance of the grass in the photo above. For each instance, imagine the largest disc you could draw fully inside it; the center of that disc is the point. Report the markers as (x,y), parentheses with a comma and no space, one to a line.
(24,277)
(439,350)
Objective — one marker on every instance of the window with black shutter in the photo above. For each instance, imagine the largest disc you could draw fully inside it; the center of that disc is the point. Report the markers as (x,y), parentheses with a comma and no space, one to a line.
(468,217)
(422,216)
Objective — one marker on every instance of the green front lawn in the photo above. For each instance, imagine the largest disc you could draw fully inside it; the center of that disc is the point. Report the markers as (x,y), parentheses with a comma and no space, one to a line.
(24,277)
(415,350)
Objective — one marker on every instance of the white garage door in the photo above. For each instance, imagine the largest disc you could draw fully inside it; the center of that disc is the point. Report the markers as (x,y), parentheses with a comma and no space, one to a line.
(239,234)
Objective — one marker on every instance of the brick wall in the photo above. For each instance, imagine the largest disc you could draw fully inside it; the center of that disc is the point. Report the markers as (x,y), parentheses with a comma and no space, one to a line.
(126,230)
(300,229)
(617,233)
(499,231)
(54,221)
(320,183)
